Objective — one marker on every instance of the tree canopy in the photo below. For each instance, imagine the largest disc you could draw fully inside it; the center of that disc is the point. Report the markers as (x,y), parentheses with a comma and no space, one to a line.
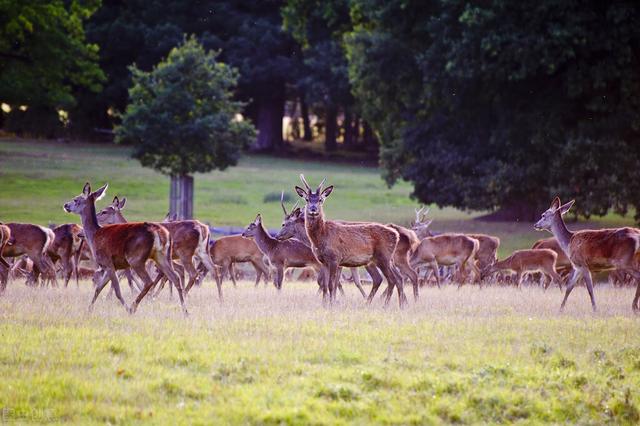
(503,104)
(44,55)
(181,116)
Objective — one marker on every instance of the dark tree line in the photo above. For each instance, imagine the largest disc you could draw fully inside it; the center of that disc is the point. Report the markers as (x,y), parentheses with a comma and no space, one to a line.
(495,105)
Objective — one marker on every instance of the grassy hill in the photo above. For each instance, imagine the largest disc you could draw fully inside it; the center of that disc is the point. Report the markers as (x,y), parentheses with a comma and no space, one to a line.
(37,177)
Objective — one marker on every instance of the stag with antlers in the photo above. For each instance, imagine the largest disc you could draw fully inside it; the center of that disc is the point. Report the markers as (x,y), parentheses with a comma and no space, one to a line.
(592,250)
(336,244)
(123,246)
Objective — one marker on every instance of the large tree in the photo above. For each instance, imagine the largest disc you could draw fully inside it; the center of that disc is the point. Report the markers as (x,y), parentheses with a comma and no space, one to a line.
(182,119)
(502,104)
(44,56)
(248,34)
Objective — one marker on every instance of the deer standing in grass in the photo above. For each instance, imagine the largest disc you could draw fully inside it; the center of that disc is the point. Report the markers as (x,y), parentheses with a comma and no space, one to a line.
(65,247)
(456,250)
(592,250)
(189,239)
(123,246)
(5,237)
(532,260)
(34,241)
(335,244)
(283,254)
(563,264)
(225,251)
(293,227)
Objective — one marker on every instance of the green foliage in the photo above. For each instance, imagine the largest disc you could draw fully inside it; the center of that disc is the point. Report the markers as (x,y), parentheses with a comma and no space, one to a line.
(181,117)
(487,105)
(44,56)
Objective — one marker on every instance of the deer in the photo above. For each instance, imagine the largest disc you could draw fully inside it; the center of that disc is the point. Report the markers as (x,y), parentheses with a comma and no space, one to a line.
(335,244)
(34,241)
(592,250)
(488,244)
(123,246)
(5,238)
(189,239)
(293,227)
(529,260)
(456,250)
(283,254)
(230,249)
(563,264)
(64,248)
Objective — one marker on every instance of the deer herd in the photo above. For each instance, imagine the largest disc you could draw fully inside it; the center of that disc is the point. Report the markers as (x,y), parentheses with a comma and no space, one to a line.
(168,250)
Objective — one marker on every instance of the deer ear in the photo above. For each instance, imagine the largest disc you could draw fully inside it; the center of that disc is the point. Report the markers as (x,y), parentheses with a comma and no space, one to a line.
(122,203)
(258,219)
(565,207)
(100,192)
(555,204)
(86,190)
(115,201)
(301,192)
(327,191)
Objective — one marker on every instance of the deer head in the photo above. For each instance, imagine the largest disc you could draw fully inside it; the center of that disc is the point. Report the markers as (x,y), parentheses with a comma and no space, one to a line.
(421,225)
(252,229)
(290,224)
(552,215)
(85,200)
(313,199)
(111,214)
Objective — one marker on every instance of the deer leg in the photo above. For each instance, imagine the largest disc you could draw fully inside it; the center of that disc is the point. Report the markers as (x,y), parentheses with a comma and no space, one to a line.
(334,270)
(258,271)
(376,280)
(412,275)
(277,280)
(116,286)
(575,275)
(232,274)
(587,278)
(356,280)
(101,278)
(518,281)
(387,270)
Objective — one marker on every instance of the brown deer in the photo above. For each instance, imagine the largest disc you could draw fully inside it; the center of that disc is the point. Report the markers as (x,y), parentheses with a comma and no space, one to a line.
(65,247)
(563,264)
(123,246)
(531,260)
(231,249)
(487,249)
(283,254)
(456,250)
(5,237)
(189,239)
(592,250)
(336,244)
(421,225)
(293,227)
(34,241)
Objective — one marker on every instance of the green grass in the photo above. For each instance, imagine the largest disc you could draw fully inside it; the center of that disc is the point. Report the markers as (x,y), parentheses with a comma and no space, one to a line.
(491,356)
(37,177)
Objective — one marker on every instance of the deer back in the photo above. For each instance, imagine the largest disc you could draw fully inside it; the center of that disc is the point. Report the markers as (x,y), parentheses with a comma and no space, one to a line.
(605,248)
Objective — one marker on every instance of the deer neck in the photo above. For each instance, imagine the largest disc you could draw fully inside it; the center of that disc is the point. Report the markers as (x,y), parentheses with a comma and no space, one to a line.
(265,242)
(90,223)
(119,218)
(314,227)
(561,233)
(301,233)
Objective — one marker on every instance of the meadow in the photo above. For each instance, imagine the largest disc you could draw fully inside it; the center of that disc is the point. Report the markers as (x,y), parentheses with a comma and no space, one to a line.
(468,356)
(38,176)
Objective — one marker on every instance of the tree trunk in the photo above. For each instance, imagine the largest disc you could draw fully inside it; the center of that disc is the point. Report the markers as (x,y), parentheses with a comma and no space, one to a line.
(348,129)
(307,134)
(181,197)
(269,122)
(355,130)
(330,128)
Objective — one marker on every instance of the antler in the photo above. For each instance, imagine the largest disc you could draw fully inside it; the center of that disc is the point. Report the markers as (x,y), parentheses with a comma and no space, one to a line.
(284,209)
(321,183)
(295,205)
(418,211)
(304,181)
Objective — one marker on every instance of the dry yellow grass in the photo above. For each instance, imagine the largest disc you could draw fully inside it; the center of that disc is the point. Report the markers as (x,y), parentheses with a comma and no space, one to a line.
(263,357)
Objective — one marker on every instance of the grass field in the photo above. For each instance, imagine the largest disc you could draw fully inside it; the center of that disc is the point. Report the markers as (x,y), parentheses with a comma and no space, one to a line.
(37,177)
(469,356)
